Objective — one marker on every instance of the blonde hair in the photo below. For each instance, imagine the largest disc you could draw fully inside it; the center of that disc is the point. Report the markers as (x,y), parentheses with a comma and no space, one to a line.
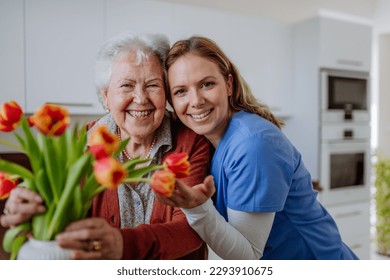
(242,97)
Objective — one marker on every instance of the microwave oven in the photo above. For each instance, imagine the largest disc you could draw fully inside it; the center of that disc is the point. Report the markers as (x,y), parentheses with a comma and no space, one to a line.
(345,96)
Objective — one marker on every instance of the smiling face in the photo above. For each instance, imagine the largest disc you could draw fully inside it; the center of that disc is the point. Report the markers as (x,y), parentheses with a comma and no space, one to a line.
(135,95)
(199,95)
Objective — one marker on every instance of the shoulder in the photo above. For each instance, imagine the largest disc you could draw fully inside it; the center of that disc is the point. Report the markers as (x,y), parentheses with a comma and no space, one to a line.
(250,129)
(248,124)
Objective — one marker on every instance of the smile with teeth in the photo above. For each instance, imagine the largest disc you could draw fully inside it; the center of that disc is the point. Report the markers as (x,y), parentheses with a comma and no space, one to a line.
(140,114)
(200,116)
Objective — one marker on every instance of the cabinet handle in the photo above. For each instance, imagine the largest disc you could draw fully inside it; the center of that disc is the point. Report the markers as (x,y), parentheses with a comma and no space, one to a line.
(70,104)
(349,62)
(349,214)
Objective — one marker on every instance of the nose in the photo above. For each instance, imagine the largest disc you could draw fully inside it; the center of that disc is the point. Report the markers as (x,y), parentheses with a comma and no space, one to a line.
(140,96)
(196,99)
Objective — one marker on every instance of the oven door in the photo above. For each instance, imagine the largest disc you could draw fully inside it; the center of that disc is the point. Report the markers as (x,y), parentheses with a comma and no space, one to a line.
(345,171)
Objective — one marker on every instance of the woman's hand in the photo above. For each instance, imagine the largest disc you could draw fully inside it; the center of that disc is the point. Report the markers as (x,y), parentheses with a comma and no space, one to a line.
(188,197)
(21,205)
(92,238)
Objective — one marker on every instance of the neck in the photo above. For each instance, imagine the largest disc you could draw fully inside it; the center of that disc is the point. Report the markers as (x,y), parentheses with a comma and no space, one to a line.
(138,147)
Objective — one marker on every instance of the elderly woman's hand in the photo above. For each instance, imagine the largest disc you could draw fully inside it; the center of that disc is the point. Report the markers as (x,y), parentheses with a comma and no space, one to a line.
(92,238)
(21,205)
(188,197)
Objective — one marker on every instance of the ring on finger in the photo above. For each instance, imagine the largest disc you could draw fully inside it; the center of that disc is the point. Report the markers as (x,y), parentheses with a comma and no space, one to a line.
(5,211)
(96,245)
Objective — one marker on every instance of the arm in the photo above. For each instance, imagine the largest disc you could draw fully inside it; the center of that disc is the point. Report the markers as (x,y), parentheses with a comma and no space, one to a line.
(244,237)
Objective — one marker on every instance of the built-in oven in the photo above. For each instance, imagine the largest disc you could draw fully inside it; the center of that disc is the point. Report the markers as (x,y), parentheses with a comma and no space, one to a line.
(344,96)
(345,166)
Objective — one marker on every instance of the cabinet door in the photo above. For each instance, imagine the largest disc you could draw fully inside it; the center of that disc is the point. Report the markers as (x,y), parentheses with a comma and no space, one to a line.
(12,52)
(138,16)
(345,45)
(62,40)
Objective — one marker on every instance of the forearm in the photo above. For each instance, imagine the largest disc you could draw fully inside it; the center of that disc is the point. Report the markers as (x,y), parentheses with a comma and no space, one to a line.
(244,237)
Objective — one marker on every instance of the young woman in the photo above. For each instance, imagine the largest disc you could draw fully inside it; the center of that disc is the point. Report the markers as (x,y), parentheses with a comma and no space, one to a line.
(265,205)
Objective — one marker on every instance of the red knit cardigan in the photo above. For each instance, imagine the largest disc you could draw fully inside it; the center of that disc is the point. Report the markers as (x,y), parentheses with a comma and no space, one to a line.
(168,236)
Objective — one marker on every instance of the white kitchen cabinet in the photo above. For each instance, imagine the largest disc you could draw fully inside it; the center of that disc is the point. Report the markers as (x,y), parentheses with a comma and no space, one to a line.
(344,45)
(139,16)
(62,40)
(12,52)
(353,221)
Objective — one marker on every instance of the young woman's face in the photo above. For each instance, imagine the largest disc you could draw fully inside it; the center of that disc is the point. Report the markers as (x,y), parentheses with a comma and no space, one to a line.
(199,95)
(136,95)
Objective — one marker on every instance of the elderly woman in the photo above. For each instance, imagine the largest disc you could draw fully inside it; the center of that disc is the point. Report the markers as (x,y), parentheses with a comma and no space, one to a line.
(129,223)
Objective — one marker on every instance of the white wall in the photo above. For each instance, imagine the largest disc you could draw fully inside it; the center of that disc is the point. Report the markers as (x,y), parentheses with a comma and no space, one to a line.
(381,72)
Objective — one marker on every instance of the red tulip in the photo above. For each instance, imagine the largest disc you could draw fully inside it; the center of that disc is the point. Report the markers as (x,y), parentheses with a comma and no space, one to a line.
(51,119)
(10,116)
(7,184)
(102,142)
(163,182)
(109,172)
(178,163)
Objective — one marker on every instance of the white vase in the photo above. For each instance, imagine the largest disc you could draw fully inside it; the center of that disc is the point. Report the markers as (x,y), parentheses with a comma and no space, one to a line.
(34,249)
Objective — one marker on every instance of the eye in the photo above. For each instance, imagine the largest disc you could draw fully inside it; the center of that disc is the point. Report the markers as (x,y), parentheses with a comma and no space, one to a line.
(179,92)
(126,85)
(207,85)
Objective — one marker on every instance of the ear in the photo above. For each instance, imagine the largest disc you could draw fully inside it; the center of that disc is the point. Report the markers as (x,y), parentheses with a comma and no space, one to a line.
(229,84)
(104,93)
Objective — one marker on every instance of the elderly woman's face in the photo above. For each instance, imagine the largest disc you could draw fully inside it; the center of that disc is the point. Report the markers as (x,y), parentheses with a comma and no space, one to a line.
(136,95)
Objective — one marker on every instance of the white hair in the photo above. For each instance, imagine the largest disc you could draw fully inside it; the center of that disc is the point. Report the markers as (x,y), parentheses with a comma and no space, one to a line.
(144,45)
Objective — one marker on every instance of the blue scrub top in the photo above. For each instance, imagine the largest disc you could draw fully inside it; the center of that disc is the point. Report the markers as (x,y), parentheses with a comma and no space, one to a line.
(257,169)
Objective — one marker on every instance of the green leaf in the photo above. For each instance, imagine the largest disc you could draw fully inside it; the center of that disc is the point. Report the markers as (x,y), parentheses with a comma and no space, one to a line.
(12,233)
(21,141)
(18,242)
(52,168)
(130,164)
(75,173)
(32,147)
(89,187)
(138,173)
(41,184)
(121,147)
(15,169)
(77,203)
(81,136)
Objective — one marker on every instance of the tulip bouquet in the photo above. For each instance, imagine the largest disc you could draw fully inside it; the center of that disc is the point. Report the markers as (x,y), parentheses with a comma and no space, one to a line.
(66,172)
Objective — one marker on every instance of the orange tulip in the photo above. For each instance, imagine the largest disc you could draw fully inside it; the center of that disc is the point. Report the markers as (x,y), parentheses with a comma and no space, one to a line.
(10,116)
(103,143)
(109,172)
(178,163)
(163,182)
(7,184)
(51,120)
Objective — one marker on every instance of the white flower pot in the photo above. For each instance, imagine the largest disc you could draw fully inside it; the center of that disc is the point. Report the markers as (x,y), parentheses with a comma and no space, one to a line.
(42,250)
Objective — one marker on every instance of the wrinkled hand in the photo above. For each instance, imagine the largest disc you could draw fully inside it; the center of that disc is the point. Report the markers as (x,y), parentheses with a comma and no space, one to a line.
(21,205)
(92,238)
(189,197)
